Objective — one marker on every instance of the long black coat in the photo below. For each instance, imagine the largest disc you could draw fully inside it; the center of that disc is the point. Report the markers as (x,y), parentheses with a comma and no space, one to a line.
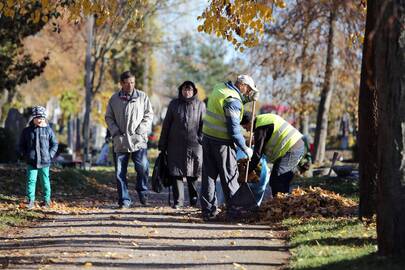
(181,136)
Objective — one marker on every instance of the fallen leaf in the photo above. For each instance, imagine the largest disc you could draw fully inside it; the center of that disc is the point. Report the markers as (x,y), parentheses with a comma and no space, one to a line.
(88,264)
(238,266)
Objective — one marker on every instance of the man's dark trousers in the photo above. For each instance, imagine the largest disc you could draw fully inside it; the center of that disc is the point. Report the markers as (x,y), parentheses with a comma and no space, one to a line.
(282,172)
(219,158)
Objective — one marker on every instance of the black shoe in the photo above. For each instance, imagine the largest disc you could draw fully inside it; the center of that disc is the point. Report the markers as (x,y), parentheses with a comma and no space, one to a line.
(193,202)
(208,218)
(143,200)
(211,216)
(125,205)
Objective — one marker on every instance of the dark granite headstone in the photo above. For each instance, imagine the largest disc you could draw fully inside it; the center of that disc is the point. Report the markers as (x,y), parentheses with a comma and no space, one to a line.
(15,123)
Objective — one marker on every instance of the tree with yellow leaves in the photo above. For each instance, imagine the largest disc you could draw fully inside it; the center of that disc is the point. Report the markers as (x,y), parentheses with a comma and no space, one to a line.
(16,65)
(295,50)
(74,10)
(108,23)
(240,22)
(244,22)
(102,37)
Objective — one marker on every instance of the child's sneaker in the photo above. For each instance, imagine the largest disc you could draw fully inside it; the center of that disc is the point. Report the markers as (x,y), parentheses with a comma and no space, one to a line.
(31,205)
(46,204)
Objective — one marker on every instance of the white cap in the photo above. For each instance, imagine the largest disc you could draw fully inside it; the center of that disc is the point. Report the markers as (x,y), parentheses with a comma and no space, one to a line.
(246,79)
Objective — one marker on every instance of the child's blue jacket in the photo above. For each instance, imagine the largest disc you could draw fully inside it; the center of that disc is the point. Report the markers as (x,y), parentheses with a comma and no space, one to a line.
(38,145)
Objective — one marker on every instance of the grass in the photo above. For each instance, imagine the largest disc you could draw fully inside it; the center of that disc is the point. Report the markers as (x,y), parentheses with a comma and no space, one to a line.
(318,243)
(64,182)
(67,185)
(335,243)
(15,217)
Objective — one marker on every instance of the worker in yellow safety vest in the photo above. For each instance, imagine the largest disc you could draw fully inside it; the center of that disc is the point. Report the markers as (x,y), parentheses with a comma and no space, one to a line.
(221,135)
(281,143)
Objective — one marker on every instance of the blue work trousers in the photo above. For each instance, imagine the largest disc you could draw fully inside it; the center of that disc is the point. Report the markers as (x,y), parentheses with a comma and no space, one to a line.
(142,173)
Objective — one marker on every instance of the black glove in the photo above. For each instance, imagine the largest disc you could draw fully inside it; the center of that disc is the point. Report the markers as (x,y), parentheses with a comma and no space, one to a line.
(162,148)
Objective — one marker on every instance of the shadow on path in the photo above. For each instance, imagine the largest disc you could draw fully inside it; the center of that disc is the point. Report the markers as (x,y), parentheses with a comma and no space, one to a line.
(149,238)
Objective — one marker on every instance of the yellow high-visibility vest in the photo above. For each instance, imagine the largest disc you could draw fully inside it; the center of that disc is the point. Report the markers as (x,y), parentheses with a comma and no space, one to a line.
(284,135)
(214,119)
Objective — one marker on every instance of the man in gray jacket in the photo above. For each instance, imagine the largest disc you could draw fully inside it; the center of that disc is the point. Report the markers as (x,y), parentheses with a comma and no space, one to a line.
(129,118)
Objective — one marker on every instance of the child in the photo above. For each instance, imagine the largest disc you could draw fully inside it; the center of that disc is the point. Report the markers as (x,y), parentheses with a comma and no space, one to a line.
(38,145)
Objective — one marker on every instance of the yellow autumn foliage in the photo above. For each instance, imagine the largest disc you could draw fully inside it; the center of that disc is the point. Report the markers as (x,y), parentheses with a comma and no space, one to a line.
(74,11)
(240,22)
(60,74)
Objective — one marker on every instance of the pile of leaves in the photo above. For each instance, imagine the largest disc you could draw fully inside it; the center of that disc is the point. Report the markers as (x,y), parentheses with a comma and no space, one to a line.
(307,203)
(253,177)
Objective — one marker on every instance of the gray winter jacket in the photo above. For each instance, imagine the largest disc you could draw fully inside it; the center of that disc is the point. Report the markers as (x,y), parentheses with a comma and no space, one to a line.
(181,136)
(129,121)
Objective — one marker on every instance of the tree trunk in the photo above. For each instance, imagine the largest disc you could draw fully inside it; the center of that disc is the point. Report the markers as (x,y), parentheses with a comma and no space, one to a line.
(71,133)
(367,137)
(304,124)
(145,76)
(89,91)
(3,101)
(326,97)
(303,116)
(389,57)
(78,145)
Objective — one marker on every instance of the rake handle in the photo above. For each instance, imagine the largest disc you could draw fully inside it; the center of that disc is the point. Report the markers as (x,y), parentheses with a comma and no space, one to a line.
(250,139)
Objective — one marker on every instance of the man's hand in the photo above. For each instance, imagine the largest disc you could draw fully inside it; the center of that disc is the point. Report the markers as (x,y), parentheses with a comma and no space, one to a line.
(249,152)
(253,96)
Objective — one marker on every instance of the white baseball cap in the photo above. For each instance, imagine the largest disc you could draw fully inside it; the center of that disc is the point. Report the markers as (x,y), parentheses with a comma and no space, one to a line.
(246,79)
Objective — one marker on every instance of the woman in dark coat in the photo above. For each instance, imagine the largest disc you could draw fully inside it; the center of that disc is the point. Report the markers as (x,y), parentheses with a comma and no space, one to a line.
(181,137)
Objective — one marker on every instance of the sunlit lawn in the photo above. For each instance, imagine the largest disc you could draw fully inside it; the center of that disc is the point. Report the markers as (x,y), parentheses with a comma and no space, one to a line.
(335,243)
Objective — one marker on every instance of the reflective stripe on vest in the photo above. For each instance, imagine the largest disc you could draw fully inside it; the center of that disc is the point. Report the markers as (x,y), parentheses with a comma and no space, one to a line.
(284,135)
(216,116)
(214,119)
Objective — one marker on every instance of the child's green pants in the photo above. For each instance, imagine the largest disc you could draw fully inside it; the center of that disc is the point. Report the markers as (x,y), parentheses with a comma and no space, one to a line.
(32,174)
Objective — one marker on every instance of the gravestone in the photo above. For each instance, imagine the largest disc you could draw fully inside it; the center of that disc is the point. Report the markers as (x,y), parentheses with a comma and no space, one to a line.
(15,121)
(14,125)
